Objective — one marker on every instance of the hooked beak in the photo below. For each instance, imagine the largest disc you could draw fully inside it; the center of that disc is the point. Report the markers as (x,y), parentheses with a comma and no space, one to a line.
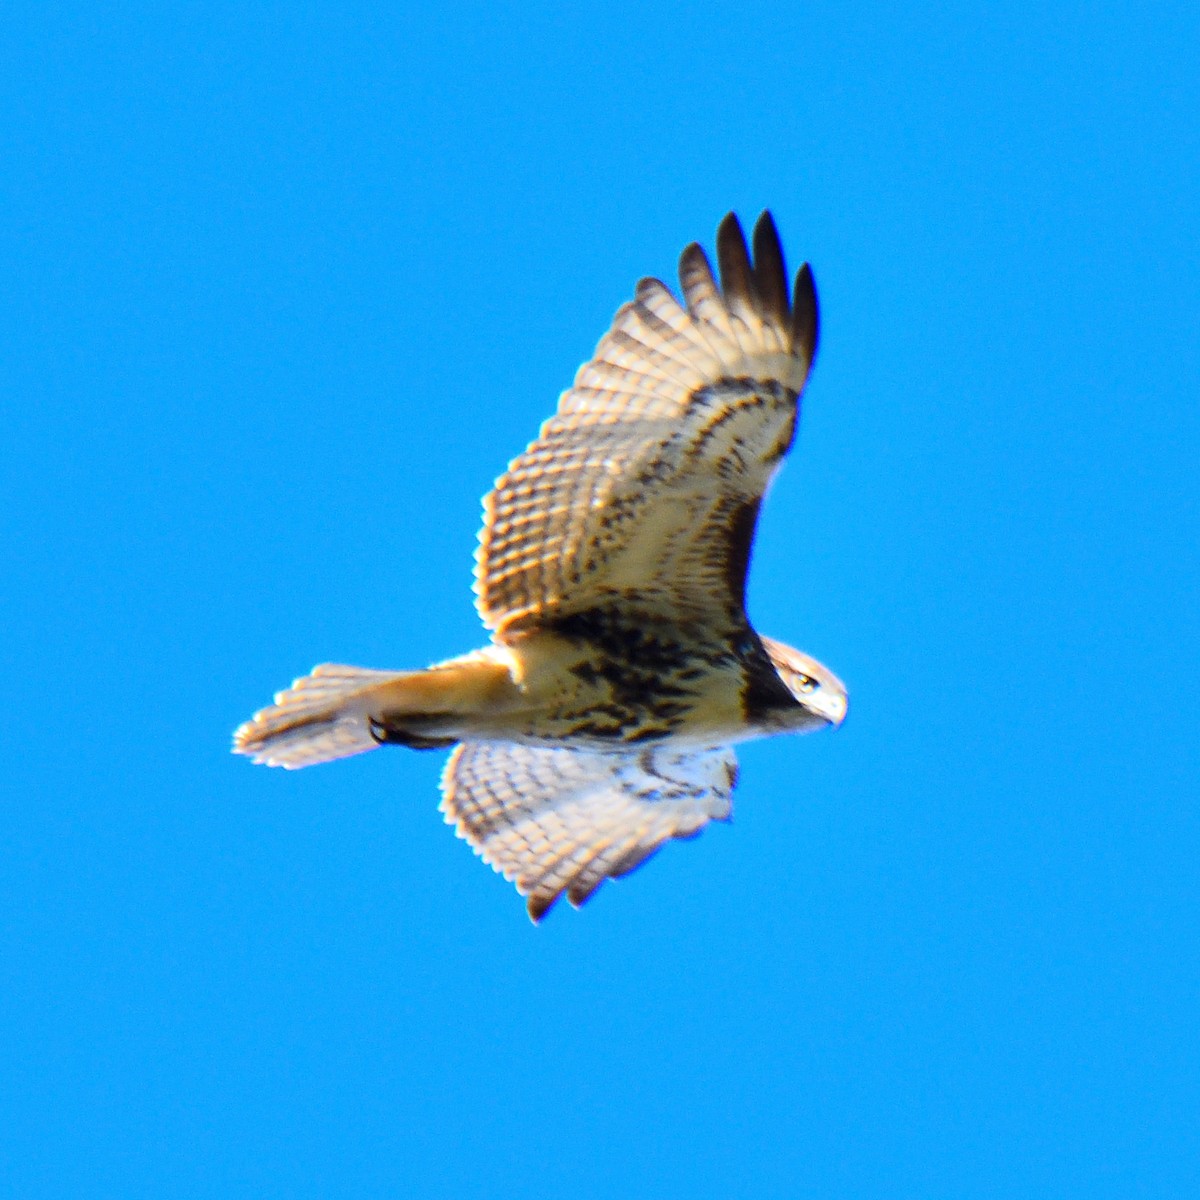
(833,706)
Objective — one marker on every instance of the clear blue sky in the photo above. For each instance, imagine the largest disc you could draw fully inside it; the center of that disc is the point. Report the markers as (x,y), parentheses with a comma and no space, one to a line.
(284,287)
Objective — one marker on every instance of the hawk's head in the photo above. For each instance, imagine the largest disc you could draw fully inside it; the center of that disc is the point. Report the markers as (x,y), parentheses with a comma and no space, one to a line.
(819,692)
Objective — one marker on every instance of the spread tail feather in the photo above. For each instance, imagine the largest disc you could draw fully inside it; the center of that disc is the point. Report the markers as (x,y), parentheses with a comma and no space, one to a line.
(321,717)
(337,710)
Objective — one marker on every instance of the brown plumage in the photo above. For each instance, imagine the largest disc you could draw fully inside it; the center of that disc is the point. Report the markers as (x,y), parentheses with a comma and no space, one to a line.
(611,573)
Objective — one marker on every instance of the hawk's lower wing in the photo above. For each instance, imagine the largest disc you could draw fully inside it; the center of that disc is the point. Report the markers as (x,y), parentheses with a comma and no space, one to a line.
(555,819)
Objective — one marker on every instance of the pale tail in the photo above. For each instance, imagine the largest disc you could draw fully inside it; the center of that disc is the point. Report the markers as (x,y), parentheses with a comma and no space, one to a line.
(338,710)
(325,715)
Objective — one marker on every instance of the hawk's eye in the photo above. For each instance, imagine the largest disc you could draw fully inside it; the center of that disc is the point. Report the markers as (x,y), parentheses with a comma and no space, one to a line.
(806,684)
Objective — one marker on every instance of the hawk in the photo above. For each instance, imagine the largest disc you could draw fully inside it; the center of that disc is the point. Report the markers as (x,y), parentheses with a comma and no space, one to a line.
(611,571)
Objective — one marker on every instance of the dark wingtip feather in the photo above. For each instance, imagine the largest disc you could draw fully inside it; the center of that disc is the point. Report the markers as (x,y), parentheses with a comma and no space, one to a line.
(696,279)
(539,906)
(693,256)
(733,260)
(630,862)
(806,317)
(693,264)
(646,285)
(580,896)
(770,274)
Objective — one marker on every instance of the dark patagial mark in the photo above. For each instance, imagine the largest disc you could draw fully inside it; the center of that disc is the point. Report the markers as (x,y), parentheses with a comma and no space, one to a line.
(740,540)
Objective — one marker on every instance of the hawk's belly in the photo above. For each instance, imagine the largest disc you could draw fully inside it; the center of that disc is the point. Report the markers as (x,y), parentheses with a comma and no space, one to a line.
(606,679)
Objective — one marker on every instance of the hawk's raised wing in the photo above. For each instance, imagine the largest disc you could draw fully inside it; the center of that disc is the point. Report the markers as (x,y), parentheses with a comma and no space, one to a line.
(555,819)
(645,484)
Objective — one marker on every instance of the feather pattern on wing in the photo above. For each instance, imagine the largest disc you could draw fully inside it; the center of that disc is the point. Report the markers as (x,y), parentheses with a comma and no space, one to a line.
(645,484)
(555,819)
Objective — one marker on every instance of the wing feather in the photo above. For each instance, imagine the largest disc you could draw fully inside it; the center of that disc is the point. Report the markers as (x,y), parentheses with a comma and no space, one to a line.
(671,431)
(560,819)
(702,294)
(737,281)
(805,315)
(770,279)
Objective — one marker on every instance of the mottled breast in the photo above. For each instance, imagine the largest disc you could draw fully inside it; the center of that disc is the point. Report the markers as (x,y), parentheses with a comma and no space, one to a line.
(628,677)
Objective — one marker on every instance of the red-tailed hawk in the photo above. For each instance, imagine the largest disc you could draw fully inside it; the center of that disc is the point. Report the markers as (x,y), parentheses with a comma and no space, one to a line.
(611,574)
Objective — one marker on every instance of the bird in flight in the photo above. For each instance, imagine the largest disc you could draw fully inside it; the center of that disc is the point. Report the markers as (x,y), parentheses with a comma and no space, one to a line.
(611,572)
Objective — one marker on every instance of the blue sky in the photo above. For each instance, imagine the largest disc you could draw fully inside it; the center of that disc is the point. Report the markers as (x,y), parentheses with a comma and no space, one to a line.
(284,289)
